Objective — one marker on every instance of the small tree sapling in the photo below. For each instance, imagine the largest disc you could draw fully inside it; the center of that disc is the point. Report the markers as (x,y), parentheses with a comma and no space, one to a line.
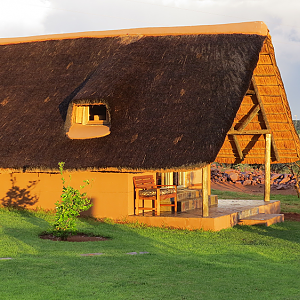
(68,208)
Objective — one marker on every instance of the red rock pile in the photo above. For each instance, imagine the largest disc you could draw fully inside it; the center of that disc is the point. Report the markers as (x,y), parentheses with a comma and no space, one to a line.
(251,177)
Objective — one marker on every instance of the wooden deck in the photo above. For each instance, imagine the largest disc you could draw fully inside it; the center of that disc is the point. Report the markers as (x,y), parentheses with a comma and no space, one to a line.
(227,214)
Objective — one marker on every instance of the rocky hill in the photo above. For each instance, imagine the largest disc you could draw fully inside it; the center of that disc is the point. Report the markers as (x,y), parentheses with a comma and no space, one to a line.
(251,177)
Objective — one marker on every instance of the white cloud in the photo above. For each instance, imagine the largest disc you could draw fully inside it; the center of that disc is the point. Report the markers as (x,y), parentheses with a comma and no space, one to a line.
(23,18)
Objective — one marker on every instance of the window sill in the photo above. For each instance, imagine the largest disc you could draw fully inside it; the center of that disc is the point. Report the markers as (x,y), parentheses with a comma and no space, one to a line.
(79,131)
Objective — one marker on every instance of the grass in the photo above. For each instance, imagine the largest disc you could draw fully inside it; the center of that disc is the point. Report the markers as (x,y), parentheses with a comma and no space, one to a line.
(238,263)
(289,203)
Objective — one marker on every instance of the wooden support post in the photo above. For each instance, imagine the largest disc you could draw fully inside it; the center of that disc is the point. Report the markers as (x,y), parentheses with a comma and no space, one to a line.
(208,180)
(187,179)
(168,178)
(162,178)
(137,202)
(267,168)
(157,202)
(175,201)
(184,180)
(205,211)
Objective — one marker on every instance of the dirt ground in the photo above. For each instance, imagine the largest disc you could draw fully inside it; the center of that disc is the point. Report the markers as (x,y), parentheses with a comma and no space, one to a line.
(250,189)
(81,237)
(257,189)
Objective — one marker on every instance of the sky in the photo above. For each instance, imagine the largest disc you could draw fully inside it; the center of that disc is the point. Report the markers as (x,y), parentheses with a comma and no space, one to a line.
(37,17)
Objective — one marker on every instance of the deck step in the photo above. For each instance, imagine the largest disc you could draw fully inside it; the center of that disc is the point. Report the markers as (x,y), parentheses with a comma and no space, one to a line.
(262,219)
(188,203)
(183,194)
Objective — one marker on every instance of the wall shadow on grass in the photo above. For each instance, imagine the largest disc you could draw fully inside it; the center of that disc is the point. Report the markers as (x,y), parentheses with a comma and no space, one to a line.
(289,231)
(18,197)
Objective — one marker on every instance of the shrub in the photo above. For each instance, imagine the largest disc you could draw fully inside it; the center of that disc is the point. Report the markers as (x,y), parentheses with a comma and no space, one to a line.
(295,170)
(72,203)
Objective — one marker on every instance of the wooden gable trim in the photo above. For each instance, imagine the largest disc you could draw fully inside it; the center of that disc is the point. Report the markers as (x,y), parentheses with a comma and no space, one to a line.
(238,147)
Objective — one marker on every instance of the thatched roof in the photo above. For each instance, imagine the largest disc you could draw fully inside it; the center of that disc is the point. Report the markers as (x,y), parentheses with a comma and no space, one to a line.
(172,97)
(267,95)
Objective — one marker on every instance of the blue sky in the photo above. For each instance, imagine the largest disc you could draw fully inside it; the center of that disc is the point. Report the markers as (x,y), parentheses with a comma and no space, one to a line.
(38,17)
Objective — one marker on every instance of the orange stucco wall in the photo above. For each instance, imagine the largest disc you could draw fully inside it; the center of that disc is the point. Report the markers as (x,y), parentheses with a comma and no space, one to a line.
(112,194)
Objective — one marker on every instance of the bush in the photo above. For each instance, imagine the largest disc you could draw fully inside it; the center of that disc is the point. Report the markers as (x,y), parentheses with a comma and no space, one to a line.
(70,206)
(294,169)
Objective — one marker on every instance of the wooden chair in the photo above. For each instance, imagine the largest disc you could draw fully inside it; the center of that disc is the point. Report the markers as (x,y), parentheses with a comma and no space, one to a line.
(146,189)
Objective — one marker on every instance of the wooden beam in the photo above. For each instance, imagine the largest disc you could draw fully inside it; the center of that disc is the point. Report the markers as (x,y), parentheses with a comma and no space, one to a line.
(268,95)
(264,75)
(265,118)
(249,132)
(238,147)
(250,92)
(267,190)
(205,210)
(249,118)
(267,85)
(274,114)
(260,103)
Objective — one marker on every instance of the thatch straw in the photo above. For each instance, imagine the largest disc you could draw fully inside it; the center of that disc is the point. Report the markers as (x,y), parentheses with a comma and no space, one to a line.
(172,100)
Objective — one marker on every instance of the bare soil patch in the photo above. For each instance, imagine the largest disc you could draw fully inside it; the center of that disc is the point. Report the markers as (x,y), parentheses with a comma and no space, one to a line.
(292,217)
(80,237)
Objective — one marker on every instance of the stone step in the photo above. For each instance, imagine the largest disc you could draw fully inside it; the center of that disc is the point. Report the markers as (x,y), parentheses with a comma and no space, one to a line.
(213,200)
(246,213)
(188,194)
(262,219)
(190,203)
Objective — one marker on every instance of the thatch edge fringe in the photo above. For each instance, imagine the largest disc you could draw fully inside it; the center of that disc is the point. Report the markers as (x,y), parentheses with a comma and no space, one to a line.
(109,170)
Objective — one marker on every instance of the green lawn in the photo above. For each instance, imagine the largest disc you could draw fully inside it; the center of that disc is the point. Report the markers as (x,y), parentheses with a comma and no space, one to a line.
(288,203)
(237,263)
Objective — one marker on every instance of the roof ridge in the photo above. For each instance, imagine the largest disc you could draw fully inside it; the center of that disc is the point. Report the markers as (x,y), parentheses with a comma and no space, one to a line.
(257,27)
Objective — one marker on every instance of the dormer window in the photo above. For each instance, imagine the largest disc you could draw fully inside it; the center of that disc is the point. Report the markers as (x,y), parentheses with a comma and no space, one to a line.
(89,121)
